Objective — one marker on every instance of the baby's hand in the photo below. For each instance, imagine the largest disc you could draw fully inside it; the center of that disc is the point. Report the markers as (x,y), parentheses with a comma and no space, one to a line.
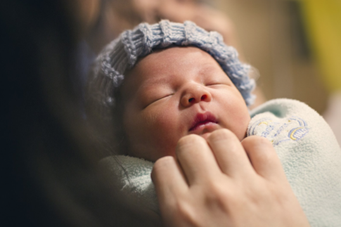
(222,182)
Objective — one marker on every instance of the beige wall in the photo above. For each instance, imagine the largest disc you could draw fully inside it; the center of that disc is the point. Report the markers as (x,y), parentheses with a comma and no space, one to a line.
(270,41)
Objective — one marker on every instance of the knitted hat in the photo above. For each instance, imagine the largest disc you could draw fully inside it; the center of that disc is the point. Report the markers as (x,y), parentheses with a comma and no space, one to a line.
(122,54)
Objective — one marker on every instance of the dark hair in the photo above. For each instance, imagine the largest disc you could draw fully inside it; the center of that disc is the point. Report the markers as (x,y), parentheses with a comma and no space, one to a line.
(48,158)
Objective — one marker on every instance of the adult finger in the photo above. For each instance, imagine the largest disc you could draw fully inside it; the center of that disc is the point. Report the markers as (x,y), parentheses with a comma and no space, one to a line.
(168,179)
(196,159)
(229,153)
(263,158)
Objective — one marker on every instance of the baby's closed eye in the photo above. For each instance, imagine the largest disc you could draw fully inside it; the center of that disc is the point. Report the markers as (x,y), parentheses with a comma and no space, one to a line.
(216,80)
(217,84)
(154,97)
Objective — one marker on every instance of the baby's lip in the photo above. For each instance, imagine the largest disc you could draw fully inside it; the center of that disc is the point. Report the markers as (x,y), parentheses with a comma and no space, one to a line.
(202,119)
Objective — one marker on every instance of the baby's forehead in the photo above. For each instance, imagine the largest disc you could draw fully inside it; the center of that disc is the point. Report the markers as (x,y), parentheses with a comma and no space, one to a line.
(174,59)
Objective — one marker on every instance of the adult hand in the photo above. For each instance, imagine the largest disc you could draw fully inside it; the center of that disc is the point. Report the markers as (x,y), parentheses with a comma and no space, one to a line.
(222,182)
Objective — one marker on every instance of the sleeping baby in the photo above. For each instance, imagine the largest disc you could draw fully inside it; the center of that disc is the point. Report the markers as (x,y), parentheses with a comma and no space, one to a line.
(160,82)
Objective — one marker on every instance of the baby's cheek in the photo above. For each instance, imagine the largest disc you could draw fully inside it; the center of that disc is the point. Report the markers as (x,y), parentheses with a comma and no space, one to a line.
(165,131)
(241,124)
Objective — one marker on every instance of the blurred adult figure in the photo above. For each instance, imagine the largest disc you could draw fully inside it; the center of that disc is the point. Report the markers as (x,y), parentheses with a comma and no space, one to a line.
(49,164)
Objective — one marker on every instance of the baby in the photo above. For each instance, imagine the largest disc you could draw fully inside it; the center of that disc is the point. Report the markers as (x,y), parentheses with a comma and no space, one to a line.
(164,81)
(175,84)
(164,102)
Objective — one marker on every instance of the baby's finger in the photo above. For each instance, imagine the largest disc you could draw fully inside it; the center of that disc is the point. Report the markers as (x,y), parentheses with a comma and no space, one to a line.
(263,158)
(196,159)
(229,153)
(168,179)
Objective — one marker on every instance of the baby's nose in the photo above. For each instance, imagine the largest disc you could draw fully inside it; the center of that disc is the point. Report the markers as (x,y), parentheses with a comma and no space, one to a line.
(195,94)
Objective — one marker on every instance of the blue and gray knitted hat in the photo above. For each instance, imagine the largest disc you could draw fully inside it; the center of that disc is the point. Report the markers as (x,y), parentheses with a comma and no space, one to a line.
(123,53)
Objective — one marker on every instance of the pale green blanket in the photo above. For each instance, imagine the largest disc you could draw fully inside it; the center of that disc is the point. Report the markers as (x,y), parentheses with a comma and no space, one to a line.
(306,146)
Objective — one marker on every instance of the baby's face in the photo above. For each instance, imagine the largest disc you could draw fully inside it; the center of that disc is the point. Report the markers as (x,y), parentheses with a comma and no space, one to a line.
(176,92)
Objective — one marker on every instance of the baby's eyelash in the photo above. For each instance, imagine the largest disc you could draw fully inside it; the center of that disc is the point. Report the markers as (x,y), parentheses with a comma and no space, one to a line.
(158,99)
(165,96)
(215,84)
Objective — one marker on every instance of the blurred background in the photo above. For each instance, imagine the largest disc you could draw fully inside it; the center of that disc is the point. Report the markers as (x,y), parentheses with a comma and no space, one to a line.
(294,44)
(276,40)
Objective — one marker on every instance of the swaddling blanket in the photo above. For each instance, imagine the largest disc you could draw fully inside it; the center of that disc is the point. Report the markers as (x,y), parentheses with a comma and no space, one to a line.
(306,146)
(309,153)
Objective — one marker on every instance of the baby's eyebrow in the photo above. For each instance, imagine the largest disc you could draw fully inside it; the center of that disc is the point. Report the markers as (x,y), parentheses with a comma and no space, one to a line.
(208,69)
(152,84)
(155,81)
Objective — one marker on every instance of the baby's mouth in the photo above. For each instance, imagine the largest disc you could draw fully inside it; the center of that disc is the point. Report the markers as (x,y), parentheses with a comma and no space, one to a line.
(201,120)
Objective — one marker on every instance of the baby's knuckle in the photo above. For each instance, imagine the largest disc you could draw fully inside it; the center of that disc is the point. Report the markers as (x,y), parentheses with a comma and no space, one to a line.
(162,163)
(189,144)
(218,193)
(189,139)
(221,134)
(253,141)
(186,212)
(164,160)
